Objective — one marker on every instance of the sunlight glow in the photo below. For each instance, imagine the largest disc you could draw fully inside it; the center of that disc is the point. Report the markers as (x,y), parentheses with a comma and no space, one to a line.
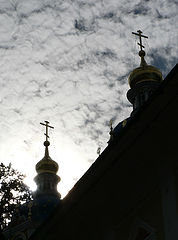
(72,165)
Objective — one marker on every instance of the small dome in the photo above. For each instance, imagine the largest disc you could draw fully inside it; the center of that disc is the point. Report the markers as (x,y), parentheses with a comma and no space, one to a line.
(47,165)
(144,73)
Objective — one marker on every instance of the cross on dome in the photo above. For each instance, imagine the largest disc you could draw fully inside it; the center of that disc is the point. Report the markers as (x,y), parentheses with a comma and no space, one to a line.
(140,38)
(46,124)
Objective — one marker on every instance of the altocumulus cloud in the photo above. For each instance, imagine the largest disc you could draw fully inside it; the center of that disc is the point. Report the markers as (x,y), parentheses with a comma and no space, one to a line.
(68,62)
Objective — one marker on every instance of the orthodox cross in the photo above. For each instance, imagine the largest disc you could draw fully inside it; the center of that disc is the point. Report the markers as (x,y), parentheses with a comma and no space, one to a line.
(46,124)
(140,38)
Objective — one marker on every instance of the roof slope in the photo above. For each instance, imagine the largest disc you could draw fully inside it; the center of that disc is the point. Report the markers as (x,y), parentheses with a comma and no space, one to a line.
(127,169)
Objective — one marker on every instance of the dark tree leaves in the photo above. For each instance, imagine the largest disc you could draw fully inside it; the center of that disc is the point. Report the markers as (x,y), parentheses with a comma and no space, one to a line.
(12,192)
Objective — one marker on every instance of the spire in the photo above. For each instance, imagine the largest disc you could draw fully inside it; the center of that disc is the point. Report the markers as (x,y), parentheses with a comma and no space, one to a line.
(143,62)
(30,215)
(46,168)
(47,164)
(46,144)
(143,80)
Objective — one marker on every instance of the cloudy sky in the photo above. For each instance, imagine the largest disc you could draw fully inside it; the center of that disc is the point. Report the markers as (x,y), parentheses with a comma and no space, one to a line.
(68,61)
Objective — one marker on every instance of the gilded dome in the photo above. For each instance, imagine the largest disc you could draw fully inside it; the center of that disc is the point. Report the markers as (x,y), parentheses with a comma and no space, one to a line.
(47,164)
(144,73)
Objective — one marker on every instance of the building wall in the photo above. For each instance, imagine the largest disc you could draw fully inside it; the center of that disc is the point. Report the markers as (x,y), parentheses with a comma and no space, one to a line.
(147,215)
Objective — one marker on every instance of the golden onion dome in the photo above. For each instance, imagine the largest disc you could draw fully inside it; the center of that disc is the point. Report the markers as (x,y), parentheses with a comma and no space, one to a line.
(144,73)
(47,164)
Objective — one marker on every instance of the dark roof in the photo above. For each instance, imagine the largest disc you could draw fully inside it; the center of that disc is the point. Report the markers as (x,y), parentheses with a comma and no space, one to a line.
(148,132)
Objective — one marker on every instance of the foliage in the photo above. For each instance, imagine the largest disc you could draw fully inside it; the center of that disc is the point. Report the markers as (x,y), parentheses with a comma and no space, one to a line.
(12,192)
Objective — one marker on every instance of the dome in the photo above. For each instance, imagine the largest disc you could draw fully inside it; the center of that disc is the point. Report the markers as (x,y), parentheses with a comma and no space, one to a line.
(144,73)
(47,164)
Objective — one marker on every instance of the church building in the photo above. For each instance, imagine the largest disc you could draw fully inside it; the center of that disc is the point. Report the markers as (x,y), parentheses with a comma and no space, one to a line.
(131,191)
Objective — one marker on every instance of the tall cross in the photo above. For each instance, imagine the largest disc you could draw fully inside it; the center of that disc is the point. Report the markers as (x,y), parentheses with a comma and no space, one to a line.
(46,124)
(140,38)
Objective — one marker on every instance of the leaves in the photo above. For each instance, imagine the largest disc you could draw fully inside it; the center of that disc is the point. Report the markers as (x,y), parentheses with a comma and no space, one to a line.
(13,191)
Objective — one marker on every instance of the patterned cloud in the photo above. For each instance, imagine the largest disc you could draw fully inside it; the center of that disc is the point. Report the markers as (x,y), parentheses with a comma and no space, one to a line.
(68,62)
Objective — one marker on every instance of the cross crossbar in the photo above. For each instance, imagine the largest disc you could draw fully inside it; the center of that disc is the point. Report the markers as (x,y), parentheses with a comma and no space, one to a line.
(139,33)
(46,124)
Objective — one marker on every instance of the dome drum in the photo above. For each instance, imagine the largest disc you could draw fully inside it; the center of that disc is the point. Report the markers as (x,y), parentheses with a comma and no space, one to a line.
(142,87)
(50,176)
(47,184)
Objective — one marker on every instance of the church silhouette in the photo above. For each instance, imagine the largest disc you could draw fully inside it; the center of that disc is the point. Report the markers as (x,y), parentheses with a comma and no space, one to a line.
(131,191)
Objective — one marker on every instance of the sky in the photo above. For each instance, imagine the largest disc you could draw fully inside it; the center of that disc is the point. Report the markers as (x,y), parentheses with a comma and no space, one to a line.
(68,62)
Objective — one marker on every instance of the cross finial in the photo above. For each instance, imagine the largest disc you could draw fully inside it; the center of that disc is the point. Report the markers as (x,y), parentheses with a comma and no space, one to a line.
(111,129)
(139,33)
(99,150)
(110,124)
(46,124)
